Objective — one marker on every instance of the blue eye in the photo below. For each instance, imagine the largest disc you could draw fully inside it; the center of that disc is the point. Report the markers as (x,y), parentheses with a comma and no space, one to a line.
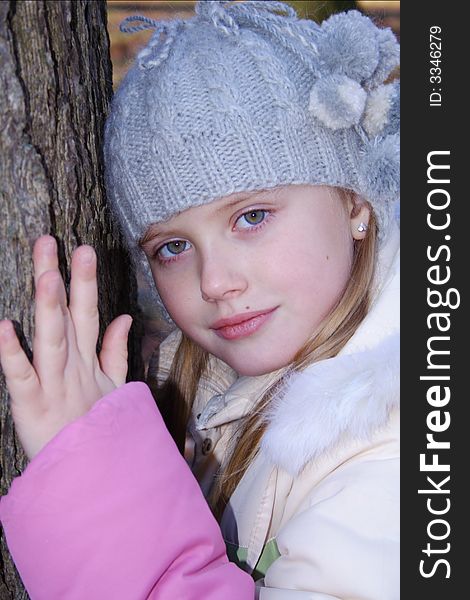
(251,219)
(172,249)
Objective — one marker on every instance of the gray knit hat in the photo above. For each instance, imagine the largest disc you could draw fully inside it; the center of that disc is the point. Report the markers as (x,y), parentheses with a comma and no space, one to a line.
(247,96)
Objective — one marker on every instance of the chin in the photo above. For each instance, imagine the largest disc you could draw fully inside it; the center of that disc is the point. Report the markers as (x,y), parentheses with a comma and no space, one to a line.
(247,368)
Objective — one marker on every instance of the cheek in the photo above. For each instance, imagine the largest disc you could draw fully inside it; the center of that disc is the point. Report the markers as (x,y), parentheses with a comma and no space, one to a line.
(316,276)
(316,253)
(338,269)
(173,293)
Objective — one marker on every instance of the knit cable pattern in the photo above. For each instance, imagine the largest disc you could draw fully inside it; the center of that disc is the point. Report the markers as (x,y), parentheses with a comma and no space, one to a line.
(246,96)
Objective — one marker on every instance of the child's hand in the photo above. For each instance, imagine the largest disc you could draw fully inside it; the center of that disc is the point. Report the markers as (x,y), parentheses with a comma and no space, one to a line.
(66,377)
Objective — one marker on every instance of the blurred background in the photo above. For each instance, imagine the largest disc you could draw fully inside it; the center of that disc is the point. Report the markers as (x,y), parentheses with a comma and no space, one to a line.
(125,46)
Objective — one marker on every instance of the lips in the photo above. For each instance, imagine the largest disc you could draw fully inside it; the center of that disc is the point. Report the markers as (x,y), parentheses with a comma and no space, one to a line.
(243,324)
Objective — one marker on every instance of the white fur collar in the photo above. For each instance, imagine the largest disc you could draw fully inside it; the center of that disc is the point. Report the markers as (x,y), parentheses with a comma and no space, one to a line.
(348,396)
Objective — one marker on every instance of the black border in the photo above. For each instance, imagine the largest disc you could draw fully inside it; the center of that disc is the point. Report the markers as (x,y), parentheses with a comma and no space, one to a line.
(425,129)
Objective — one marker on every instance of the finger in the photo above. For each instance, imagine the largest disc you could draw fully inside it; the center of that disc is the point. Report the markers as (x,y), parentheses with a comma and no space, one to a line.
(21,379)
(50,343)
(44,256)
(84,302)
(113,355)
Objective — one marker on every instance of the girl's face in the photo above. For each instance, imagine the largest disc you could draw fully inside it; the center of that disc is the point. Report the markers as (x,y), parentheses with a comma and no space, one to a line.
(250,276)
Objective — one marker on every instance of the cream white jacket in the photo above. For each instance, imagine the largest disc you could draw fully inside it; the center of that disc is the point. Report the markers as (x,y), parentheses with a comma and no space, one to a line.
(316,515)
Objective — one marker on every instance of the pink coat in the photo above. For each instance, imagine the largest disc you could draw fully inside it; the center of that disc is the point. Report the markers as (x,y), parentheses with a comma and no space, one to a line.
(110,509)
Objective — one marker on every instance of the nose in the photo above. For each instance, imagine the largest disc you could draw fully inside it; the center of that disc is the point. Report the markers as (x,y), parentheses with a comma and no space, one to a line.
(221,278)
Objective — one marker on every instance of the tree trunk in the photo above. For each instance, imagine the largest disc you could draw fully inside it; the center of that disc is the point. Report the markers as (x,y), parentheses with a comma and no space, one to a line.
(55,87)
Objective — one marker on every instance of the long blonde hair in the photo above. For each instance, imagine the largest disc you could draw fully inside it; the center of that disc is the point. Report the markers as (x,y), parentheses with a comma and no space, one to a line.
(176,396)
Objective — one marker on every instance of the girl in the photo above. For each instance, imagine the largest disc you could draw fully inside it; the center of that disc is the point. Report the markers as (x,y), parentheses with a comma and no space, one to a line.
(252,165)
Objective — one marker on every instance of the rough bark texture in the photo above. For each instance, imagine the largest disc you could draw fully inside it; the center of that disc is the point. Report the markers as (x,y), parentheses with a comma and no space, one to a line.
(55,86)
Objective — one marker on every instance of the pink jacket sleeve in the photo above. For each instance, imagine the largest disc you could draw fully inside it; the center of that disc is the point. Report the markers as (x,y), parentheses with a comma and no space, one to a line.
(109,509)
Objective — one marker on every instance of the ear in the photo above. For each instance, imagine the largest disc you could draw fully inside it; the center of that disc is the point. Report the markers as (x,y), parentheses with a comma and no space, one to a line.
(359,217)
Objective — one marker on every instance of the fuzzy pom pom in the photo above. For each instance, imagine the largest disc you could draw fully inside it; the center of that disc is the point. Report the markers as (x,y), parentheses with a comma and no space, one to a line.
(389,57)
(380,170)
(337,101)
(349,45)
(381,115)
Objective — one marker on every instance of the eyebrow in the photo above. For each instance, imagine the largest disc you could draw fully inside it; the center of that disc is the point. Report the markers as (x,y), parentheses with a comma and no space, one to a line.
(151,233)
(231,204)
(254,196)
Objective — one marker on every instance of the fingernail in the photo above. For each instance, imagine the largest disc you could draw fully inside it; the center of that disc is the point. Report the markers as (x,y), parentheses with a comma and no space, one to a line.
(6,330)
(87,256)
(49,246)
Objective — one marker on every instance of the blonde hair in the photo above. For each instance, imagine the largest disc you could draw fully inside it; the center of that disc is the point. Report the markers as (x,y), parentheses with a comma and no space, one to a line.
(176,396)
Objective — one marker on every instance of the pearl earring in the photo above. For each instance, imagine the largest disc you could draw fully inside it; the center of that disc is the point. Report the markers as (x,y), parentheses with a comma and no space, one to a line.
(362,227)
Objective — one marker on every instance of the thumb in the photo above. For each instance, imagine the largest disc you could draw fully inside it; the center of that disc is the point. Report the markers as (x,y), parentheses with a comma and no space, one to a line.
(113,355)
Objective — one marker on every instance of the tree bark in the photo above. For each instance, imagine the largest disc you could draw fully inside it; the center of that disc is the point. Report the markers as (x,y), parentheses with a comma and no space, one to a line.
(55,87)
